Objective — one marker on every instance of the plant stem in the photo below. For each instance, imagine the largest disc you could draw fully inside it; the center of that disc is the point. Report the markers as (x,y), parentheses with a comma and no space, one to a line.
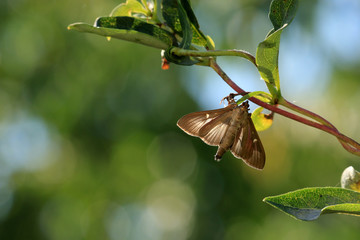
(318,118)
(349,144)
(214,53)
(285,103)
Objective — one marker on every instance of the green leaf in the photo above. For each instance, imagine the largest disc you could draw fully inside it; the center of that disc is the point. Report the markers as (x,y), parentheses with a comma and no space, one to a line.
(129,29)
(187,36)
(129,8)
(260,120)
(309,203)
(281,14)
(171,13)
(346,208)
(263,96)
(186,28)
(210,43)
(267,55)
(190,13)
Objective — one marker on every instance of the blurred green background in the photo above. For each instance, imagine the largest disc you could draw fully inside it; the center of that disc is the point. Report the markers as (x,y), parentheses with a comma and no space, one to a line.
(89,147)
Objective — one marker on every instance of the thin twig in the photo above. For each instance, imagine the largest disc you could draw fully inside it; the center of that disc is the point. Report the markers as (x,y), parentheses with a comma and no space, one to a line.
(328,127)
(320,119)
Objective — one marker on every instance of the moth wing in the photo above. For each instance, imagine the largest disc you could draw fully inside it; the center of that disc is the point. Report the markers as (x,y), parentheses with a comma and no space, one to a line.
(213,132)
(192,123)
(247,145)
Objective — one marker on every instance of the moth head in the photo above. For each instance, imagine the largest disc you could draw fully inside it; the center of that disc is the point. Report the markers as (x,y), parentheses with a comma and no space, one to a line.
(245,106)
(230,98)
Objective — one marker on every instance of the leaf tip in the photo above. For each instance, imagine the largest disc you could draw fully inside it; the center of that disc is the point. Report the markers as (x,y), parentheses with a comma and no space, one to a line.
(70,26)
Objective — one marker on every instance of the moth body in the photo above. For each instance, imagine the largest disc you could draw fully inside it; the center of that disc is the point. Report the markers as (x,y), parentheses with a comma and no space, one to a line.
(229,137)
(229,128)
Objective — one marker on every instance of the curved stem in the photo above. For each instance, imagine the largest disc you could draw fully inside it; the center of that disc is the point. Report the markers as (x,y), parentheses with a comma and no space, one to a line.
(318,118)
(285,103)
(214,53)
(348,143)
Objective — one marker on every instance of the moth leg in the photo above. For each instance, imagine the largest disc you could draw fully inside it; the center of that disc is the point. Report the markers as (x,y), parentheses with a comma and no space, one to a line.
(230,98)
